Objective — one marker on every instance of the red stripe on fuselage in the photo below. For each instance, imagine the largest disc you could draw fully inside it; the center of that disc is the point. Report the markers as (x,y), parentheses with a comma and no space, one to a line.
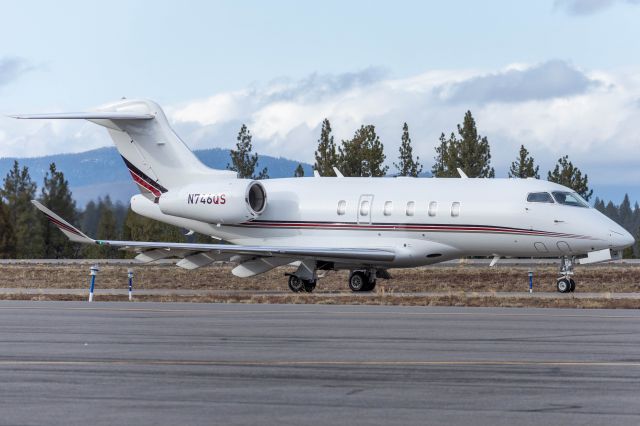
(409,227)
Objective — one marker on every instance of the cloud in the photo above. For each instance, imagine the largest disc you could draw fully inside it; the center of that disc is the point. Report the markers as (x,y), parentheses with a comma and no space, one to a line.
(588,7)
(312,89)
(12,68)
(552,79)
(552,108)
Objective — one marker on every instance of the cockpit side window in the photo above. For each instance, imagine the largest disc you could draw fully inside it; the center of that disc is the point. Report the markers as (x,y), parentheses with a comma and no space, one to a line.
(569,199)
(539,197)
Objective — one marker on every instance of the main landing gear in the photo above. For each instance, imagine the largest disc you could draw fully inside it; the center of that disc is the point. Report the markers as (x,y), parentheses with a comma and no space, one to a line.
(565,283)
(300,285)
(362,280)
(304,279)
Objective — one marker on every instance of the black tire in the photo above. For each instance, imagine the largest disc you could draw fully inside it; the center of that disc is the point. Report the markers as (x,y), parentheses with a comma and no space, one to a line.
(563,285)
(295,284)
(308,286)
(370,286)
(573,285)
(358,281)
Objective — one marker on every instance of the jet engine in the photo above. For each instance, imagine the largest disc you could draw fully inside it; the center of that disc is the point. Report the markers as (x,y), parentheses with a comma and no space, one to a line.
(230,201)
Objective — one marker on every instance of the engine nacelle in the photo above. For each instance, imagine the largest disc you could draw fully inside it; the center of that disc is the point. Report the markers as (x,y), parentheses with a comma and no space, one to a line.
(226,201)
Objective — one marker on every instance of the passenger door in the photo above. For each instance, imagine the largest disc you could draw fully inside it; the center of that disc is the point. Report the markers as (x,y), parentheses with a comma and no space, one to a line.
(363,213)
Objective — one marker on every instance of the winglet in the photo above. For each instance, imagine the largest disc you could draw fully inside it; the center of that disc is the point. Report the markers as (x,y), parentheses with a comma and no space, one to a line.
(69,230)
(462,174)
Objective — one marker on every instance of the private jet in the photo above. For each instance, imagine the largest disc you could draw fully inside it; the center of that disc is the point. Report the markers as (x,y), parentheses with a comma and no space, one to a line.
(361,224)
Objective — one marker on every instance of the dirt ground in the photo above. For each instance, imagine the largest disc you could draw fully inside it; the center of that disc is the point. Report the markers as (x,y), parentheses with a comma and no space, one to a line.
(459,278)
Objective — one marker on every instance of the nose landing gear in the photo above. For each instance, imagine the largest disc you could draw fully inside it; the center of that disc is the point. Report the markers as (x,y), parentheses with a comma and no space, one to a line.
(565,283)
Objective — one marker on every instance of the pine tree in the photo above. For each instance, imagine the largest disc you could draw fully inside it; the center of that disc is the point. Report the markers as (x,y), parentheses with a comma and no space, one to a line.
(326,155)
(524,166)
(446,158)
(299,171)
(242,161)
(57,197)
(17,192)
(474,153)
(105,229)
(89,218)
(599,205)
(7,235)
(407,166)
(471,152)
(565,173)
(625,214)
(611,211)
(363,155)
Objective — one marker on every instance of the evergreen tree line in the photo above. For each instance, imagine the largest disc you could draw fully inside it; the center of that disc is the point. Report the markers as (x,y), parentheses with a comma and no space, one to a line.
(25,233)
(464,149)
(626,216)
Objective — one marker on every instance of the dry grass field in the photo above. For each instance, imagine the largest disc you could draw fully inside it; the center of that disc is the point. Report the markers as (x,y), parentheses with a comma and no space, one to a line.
(459,278)
(458,283)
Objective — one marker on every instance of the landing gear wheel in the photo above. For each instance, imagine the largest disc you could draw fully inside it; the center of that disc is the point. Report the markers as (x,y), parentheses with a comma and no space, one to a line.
(563,285)
(308,286)
(370,286)
(358,281)
(573,285)
(296,284)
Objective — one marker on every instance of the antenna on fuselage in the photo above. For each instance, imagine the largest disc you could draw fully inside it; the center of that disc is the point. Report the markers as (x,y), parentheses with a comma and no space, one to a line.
(462,174)
(316,174)
(337,172)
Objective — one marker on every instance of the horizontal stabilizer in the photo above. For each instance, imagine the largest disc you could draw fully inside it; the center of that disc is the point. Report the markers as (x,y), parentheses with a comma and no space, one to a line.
(94,115)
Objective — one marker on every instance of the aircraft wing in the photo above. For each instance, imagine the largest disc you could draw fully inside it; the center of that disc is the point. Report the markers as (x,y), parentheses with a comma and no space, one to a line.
(194,255)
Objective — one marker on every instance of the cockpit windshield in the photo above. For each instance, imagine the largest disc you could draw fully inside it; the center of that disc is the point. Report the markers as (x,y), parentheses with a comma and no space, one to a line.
(569,199)
(539,197)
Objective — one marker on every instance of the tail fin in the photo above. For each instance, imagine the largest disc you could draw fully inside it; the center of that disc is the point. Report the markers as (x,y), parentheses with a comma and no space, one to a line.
(156,157)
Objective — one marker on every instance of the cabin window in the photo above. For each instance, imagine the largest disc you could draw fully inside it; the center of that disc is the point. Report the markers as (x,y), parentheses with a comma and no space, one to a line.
(388,208)
(455,209)
(342,207)
(433,208)
(364,208)
(539,197)
(411,208)
(569,199)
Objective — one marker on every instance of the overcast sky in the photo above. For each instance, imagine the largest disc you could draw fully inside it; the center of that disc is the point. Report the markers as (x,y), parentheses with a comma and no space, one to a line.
(560,77)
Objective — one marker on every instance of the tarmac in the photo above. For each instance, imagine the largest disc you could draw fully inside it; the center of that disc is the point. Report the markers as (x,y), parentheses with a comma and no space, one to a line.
(77,363)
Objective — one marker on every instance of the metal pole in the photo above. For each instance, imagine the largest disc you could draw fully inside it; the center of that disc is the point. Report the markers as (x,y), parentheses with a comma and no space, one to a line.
(530,281)
(130,275)
(94,272)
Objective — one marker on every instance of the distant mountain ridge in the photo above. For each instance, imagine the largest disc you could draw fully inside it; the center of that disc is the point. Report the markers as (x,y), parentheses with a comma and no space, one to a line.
(96,173)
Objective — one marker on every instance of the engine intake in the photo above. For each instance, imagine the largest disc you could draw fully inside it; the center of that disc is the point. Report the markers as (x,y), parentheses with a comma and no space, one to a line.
(230,201)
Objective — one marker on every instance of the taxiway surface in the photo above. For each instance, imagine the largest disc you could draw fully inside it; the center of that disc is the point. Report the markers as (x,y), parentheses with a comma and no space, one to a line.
(150,363)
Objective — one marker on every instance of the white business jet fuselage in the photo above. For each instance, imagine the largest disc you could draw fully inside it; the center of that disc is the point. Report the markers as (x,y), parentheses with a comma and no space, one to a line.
(366,225)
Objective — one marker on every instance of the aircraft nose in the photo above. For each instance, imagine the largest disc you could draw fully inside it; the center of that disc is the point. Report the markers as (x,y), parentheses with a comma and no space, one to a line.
(620,238)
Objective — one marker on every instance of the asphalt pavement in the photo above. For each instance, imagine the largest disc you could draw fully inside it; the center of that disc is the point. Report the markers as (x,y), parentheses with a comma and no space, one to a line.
(77,363)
